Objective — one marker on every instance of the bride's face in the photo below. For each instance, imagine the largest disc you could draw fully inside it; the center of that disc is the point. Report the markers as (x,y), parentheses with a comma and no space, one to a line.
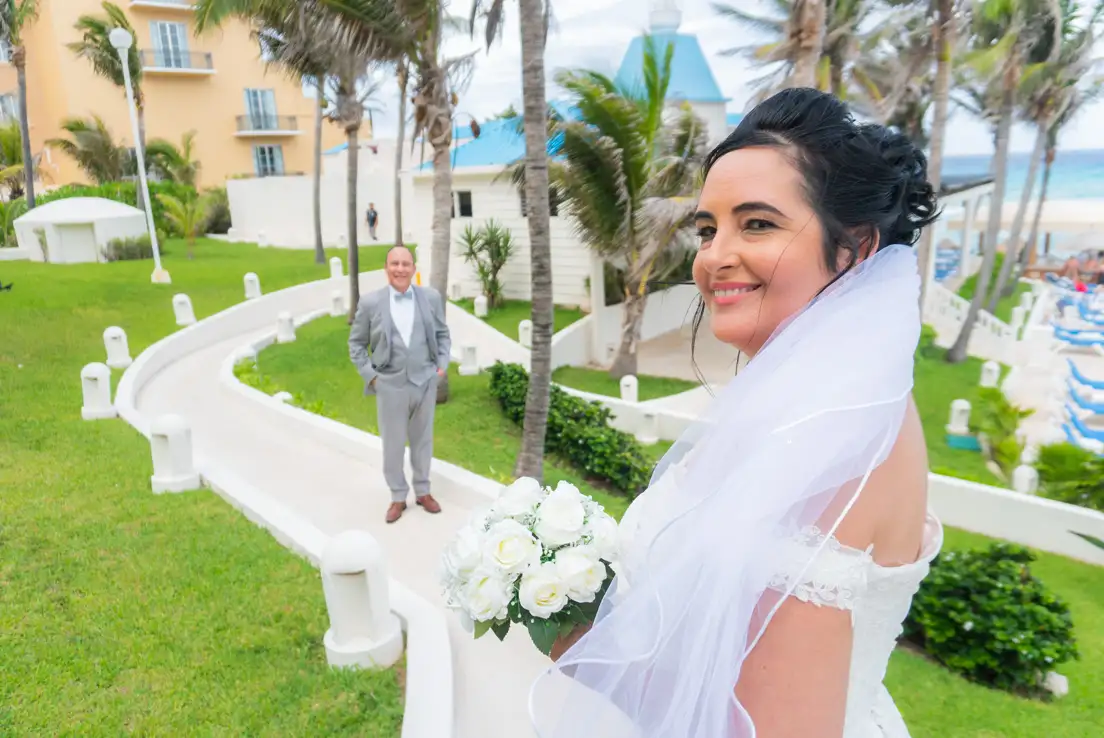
(761,257)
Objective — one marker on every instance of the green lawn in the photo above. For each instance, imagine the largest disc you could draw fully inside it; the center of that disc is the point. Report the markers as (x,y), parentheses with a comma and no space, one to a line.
(600,382)
(506,317)
(472,433)
(122,612)
(1005,304)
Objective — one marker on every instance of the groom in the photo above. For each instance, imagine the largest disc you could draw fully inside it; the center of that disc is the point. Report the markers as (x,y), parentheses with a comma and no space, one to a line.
(400,344)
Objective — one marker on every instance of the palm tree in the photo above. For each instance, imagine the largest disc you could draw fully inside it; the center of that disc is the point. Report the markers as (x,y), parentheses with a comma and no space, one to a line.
(187,216)
(1006,32)
(15,16)
(174,163)
(533,16)
(95,46)
(402,76)
(94,149)
(625,173)
(13,172)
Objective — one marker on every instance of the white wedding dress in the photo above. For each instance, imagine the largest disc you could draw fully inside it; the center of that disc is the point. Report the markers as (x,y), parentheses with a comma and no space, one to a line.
(878,597)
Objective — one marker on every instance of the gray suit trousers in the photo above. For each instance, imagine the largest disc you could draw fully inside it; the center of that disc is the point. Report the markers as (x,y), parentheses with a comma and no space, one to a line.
(405,414)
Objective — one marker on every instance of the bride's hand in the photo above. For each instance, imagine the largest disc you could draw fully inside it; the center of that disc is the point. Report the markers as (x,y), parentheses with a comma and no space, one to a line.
(559,648)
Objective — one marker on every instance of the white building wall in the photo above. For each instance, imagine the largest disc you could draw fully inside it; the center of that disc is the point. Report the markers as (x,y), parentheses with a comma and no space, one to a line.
(715,118)
(499,200)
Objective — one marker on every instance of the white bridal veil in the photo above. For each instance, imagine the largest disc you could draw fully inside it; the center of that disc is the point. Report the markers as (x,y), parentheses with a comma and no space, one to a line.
(788,443)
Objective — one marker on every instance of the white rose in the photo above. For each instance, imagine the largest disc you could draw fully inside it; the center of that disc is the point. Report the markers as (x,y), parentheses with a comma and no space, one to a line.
(542,592)
(605,536)
(581,572)
(510,548)
(487,595)
(464,554)
(519,498)
(560,516)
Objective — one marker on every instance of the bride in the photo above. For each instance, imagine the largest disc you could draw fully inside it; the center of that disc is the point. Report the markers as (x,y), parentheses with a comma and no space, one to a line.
(767,570)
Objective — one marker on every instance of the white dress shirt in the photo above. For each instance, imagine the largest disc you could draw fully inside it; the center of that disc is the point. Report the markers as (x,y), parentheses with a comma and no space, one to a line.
(402,312)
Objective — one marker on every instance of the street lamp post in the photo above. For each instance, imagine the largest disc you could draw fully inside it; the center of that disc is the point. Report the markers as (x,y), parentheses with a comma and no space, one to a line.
(122,41)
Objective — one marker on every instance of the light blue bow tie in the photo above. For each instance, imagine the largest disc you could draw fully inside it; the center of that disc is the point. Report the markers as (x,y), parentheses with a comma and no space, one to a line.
(408,295)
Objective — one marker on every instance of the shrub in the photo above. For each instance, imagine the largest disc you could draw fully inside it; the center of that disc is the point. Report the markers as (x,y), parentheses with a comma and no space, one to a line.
(998,419)
(926,348)
(1068,473)
(578,430)
(218,213)
(132,248)
(982,614)
(487,249)
(126,192)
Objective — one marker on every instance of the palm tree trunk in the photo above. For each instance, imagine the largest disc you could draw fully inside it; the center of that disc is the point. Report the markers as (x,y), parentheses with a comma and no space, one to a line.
(958,352)
(810,42)
(530,462)
(635,300)
(353,154)
(442,218)
(1012,250)
(316,195)
(942,41)
(399,140)
(19,57)
(1032,238)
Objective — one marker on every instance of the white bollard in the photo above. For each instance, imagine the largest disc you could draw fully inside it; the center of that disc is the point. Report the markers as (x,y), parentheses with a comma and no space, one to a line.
(182,306)
(118,352)
(990,374)
(282,396)
(630,388)
(232,235)
(337,303)
(481,306)
(171,446)
(252,286)
(363,631)
(336,268)
(455,291)
(96,389)
(1019,317)
(469,361)
(1025,480)
(960,418)
(525,333)
(649,429)
(1027,299)
(285,328)
(262,239)
(1030,455)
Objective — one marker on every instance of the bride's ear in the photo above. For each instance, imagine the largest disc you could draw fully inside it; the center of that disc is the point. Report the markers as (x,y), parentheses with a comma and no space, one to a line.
(865,243)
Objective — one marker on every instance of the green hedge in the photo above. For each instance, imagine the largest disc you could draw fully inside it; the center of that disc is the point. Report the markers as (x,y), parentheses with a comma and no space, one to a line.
(1071,474)
(126,192)
(982,614)
(578,430)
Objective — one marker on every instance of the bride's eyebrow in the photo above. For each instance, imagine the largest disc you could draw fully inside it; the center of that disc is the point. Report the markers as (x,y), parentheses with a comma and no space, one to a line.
(759,207)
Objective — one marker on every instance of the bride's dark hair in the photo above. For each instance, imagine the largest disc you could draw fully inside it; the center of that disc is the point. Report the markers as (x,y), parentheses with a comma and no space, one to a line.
(861,179)
(865,182)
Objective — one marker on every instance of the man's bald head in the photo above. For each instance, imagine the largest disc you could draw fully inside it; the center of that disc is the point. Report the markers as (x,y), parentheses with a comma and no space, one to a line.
(400,267)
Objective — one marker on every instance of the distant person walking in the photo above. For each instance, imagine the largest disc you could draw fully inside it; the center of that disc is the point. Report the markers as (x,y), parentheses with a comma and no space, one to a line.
(400,345)
(373,219)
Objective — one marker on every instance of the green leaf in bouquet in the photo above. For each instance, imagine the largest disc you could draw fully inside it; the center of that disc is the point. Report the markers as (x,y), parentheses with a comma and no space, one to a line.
(544,633)
(567,627)
(501,628)
(482,626)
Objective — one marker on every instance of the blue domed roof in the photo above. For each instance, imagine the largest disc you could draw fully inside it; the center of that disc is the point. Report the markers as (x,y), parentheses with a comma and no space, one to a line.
(691,78)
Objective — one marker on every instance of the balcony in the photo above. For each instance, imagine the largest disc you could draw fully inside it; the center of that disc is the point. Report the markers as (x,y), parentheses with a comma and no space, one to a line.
(183,63)
(267,126)
(185,6)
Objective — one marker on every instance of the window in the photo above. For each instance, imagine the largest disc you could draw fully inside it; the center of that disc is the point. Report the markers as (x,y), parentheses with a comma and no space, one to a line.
(9,107)
(260,106)
(170,45)
(268,161)
(553,202)
(462,203)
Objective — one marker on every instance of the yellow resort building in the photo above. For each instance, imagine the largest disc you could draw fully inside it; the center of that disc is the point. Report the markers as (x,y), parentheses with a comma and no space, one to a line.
(249,120)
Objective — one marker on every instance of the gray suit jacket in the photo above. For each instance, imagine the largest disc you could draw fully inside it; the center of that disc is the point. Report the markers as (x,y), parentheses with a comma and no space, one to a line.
(370,336)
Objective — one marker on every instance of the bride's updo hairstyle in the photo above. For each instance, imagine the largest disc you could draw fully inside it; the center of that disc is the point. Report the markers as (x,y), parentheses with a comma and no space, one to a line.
(861,179)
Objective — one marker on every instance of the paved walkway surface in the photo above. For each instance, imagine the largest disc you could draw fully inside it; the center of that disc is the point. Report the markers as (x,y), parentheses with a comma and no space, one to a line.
(337,492)
(669,355)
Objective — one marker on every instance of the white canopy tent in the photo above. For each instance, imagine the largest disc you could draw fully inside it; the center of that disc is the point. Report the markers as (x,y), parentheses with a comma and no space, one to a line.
(76,229)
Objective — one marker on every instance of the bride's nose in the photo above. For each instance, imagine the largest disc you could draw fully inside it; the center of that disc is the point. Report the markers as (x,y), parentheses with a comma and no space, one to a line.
(723,254)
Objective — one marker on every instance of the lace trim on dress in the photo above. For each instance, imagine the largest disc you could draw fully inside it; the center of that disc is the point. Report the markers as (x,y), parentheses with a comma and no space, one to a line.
(837,577)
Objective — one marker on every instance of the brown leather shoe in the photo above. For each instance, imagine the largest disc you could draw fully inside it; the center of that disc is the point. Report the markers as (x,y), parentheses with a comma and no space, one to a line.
(395,511)
(429,504)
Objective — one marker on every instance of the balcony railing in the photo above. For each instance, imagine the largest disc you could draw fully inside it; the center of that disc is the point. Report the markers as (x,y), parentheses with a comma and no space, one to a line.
(185,5)
(268,124)
(198,62)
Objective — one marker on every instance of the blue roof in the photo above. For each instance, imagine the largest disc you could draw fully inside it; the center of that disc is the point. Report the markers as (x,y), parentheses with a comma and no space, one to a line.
(733,119)
(691,78)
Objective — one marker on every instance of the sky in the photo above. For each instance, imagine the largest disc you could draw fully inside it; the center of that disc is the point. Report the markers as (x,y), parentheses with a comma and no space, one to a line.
(595,33)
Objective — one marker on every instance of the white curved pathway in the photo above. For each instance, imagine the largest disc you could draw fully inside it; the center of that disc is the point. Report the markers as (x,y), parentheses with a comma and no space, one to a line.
(333,488)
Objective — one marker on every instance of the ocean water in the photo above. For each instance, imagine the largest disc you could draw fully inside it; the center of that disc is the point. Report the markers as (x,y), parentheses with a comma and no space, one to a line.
(1075,174)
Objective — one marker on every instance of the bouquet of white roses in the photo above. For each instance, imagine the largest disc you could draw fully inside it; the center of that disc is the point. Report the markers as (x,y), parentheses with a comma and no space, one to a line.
(538,557)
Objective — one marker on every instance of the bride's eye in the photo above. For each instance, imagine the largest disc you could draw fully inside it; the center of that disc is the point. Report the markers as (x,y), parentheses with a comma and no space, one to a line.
(706,233)
(758,225)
